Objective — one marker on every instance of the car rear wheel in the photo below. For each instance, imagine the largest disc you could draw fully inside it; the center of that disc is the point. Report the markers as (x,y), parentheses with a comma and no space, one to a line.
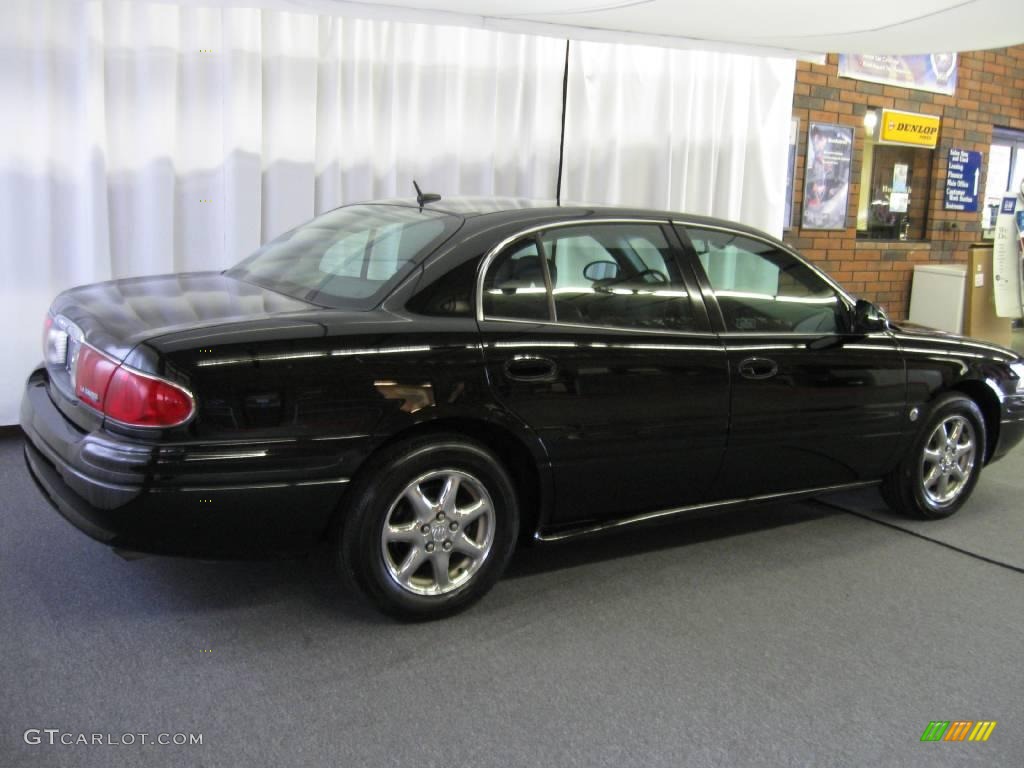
(939,473)
(430,526)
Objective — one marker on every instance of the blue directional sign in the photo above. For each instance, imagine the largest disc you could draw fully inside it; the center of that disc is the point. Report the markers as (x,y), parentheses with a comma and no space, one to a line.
(963,179)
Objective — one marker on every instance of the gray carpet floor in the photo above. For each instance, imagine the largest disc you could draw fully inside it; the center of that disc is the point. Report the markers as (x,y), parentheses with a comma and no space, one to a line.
(796,635)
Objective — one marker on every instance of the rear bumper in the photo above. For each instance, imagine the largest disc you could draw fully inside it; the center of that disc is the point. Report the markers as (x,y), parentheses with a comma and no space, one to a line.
(128,495)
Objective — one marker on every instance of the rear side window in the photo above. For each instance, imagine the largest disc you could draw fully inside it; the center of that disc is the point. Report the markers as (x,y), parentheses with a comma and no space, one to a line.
(762,288)
(617,275)
(349,257)
(450,295)
(515,286)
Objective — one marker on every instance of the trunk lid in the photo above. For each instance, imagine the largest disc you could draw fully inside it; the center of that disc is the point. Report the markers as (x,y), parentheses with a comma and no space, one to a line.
(116,316)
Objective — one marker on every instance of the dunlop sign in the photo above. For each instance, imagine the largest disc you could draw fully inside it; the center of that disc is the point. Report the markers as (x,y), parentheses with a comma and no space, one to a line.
(909,128)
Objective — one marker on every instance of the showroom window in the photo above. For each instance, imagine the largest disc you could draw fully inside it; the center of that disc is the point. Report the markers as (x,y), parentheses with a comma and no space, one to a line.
(894,184)
(761,288)
(611,275)
(1005,171)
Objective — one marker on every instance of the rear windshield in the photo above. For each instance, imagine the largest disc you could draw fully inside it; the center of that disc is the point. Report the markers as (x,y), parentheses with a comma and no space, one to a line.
(349,257)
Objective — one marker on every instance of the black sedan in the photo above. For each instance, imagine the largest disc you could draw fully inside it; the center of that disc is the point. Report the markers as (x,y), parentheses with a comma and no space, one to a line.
(424,383)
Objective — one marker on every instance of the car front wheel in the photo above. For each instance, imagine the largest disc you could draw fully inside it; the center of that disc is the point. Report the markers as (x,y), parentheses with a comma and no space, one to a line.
(430,527)
(939,473)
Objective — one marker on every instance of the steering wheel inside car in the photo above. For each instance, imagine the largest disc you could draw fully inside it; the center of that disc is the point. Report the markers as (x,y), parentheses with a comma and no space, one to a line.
(602,286)
(658,276)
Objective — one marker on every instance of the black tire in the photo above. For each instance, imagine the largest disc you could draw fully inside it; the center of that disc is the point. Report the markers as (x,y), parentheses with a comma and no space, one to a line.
(907,488)
(377,498)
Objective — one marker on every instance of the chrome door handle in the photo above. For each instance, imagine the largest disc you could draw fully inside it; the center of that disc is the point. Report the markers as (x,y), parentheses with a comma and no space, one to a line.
(757,368)
(530,368)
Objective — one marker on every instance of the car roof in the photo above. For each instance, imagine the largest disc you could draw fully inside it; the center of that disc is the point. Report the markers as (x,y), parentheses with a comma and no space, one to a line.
(518,209)
(470,206)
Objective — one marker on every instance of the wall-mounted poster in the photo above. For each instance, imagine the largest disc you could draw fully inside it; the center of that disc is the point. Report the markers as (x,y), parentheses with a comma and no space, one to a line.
(794,133)
(934,72)
(827,179)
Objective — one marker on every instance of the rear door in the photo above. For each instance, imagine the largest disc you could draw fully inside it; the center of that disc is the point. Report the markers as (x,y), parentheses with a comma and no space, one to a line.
(596,337)
(812,404)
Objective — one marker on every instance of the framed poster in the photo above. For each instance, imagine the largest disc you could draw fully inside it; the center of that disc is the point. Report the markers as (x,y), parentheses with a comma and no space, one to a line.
(794,133)
(827,176)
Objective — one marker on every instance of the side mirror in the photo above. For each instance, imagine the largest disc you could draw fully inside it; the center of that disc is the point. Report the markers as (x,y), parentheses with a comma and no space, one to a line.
(867,318)
(601,270)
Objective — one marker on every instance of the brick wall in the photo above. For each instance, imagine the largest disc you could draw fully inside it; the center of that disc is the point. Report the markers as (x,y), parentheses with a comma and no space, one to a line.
(990,92)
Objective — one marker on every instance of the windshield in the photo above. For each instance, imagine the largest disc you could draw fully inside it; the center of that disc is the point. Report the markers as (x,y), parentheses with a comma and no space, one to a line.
(349,257)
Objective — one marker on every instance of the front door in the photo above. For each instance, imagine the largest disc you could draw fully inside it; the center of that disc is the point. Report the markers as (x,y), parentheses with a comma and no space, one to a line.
(812,404)
(593,336)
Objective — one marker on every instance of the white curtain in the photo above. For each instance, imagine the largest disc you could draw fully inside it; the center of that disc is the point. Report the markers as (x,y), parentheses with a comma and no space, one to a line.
(143,138)
(692,131)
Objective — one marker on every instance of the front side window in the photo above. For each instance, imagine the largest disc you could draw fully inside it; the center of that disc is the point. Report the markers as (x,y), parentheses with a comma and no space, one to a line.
(762,288)
(349,257)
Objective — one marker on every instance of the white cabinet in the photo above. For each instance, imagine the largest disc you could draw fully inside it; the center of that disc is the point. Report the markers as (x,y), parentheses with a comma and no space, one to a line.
(937,296)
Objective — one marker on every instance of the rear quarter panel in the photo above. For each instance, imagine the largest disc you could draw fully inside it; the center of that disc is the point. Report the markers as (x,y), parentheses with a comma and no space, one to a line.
(320,403)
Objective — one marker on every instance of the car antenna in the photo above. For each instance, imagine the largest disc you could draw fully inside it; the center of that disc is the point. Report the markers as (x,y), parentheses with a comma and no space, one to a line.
(424,197)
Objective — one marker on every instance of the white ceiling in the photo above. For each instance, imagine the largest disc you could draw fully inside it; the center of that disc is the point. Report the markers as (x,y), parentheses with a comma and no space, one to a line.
(779,27)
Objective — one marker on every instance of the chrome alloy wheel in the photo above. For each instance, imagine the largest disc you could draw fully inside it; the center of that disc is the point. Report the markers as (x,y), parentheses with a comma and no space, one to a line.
(948,460)
(438,532)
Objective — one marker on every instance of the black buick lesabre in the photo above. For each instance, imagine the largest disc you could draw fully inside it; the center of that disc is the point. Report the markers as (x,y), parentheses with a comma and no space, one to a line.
(424,385)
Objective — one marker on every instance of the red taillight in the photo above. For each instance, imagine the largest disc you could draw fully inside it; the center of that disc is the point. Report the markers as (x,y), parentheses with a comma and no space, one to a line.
(93,371)
(142,401)
(130,397)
